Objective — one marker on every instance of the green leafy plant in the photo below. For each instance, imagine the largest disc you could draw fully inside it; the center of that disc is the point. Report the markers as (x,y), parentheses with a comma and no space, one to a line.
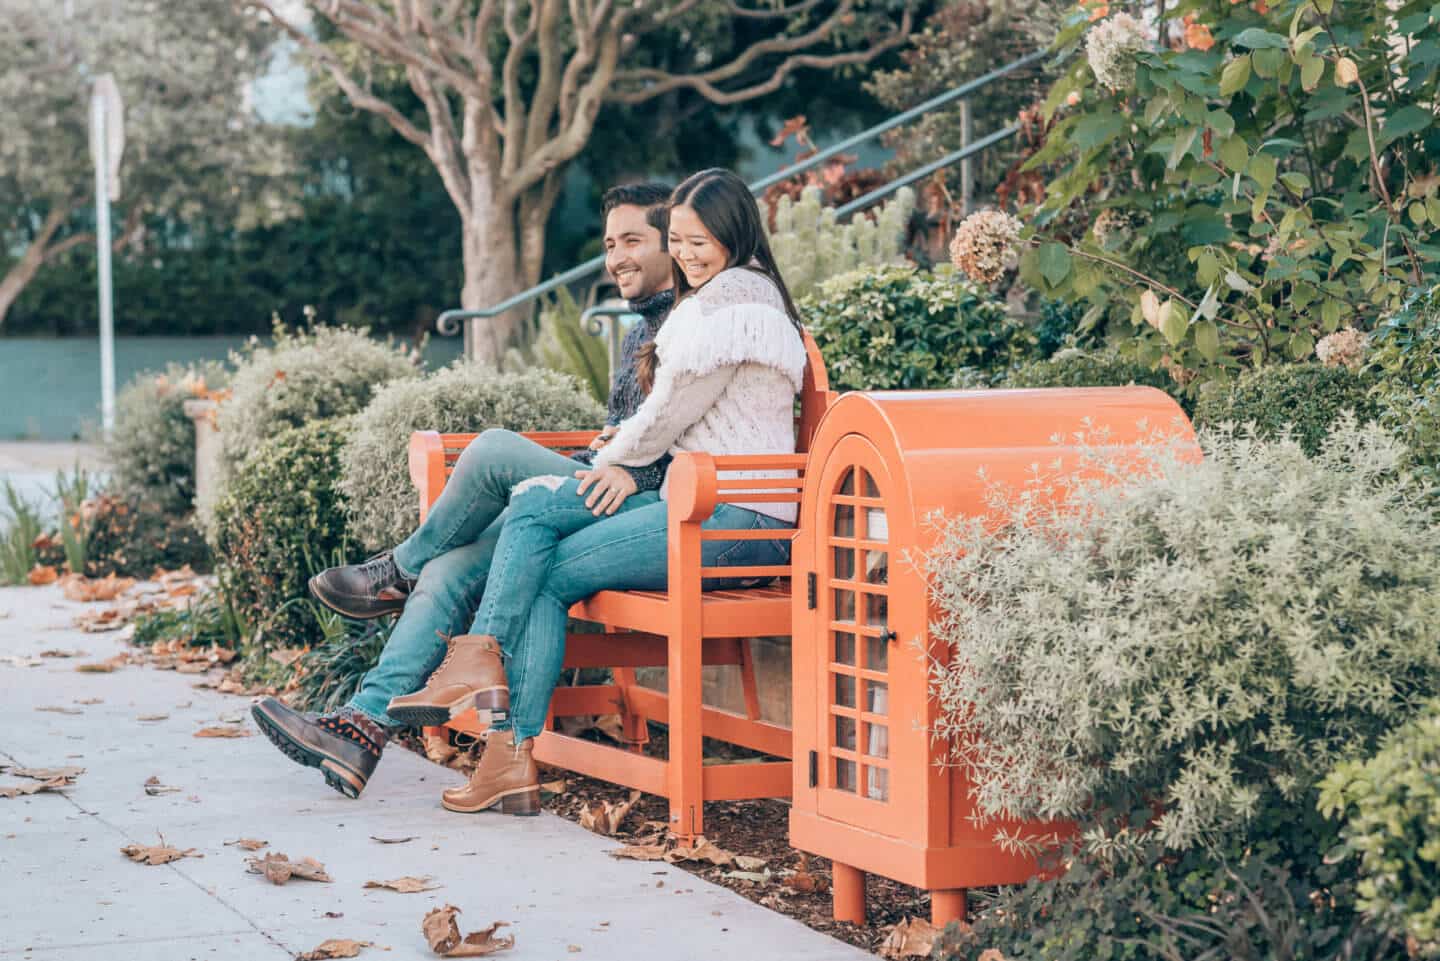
(210,619)
(374,473)
(1404,356)
(1390,806)
(17,544)
(1269,146)
(1305,400)
(72,492)
(811,246)
(563,346)
(277,523)
(1201,637)
(329,673)
(901,328)
(152,451)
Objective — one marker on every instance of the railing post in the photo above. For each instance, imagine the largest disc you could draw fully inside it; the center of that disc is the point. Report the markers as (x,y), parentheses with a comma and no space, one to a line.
(967,169)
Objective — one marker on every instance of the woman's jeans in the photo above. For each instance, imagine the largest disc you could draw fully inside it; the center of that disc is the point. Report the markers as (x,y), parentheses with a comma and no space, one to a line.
(553,552)
(451,553)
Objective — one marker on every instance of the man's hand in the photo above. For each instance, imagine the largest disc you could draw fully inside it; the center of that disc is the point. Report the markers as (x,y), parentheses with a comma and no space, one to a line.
(609,486)
(603,437)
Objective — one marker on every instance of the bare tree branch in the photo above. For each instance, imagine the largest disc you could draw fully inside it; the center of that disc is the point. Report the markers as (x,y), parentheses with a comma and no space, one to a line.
(368,27)
(738,11)
(442,148)
(547,87)
(514,118)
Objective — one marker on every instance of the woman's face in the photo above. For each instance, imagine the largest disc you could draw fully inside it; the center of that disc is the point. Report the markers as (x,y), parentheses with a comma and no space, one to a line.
(694,248)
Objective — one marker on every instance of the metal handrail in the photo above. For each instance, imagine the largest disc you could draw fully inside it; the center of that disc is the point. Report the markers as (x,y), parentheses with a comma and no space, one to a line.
(448,322)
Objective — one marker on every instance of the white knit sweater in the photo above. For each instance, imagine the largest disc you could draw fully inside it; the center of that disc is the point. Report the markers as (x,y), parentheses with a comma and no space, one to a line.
(729,363)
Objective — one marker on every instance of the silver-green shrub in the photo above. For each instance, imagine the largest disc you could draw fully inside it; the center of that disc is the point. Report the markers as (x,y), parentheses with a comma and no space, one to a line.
(811,246)
(464,398)
(152,451)
(303,377)
(1201,637)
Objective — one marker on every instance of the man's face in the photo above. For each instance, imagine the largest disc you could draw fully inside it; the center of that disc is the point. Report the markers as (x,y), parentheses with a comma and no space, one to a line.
(633,253)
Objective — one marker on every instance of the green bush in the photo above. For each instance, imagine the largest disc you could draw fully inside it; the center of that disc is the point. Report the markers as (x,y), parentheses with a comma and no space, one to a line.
(133,537)
(1077,368)
(329,674)
(902,328)
(1391,809)
(1405,355)
(563,346)
(1305,399)
(152,452)
(22,526)
(374,476)
(810,245)
(1207,637)
(280,520)
(304,377)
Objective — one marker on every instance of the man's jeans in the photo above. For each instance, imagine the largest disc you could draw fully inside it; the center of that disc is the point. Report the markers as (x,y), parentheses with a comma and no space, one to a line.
(553,552)
(451,553)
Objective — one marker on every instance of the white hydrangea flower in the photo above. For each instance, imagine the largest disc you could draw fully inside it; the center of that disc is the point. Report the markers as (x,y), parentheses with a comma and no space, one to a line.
(1110,46)
(1344,348)
(986,244)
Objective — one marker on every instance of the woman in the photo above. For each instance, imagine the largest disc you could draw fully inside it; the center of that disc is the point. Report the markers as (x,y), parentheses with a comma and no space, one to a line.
(721,377)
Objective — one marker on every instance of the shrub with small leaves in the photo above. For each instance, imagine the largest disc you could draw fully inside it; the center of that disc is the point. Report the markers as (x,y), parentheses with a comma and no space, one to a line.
(304,377)
(1405,355)
(152,451)
(133,537)
(374,475)
(1304,399)
(903,328)
(1390,805)
(279,521)
(1204,637)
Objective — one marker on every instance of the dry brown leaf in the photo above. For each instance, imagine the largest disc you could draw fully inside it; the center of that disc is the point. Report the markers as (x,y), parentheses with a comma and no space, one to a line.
(443,935)
(277,868)
(604,817)
(158,854)
(438,748)
(704,850)
(285,656)
(746,863)
(54,652)
(35,787)
(394,840)
(993,954)
(17,660)
(640,852)
(405,885)
(152,717)
(911,938)
(222,731)
(803,881)
(247,844)
(55,709)
(80,588)
(47,773)
(334,948)
(192,667)
(555,787)
(104,667)
(90,700)
(42,574)
(153,787)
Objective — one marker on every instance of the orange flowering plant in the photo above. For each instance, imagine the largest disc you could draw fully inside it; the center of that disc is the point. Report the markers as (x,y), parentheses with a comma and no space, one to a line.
(1262,171)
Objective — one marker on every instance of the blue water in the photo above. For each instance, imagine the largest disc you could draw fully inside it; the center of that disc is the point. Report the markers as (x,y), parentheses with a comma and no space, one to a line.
(50,387)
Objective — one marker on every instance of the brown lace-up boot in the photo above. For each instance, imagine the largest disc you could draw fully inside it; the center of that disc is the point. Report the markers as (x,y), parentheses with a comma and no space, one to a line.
(472,675)
(506,776)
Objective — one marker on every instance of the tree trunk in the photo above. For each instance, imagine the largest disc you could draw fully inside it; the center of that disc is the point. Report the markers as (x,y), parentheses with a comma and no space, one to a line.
(489,257)
(31,261)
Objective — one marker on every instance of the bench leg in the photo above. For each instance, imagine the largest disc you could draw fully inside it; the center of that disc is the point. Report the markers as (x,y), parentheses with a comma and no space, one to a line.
(636,731)
(947,906)
(747,679)
(847,893)
(686,765)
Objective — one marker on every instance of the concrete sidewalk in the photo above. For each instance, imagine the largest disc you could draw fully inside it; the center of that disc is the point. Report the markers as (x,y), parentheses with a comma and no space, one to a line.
(66,891)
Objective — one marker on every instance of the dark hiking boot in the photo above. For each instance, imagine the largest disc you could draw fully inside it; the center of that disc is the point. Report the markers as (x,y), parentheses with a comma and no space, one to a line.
(345,745)
(506,777)
(472,675)
(363,591)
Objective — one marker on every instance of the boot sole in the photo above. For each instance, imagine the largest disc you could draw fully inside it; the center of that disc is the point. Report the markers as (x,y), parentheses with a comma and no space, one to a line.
(339,777)
(519,802)
(340,609)
(492,706)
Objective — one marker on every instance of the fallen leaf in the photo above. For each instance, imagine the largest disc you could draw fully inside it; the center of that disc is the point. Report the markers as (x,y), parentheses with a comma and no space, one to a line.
(443,935)
(334,948)
(605,817)
(803,881)
(90,700)
(640,852)
(704,850)
(80,588)
(247,844)
(191,667)
(285,656)
(47,773)
(59,653)
(220,731)
(405,885)
(278,868)
(753,876)
(152,717)
(105,619)
(40,575)
(16,660)
(394,840)
(158,854)
(911,938)
(55,784)
(153,787)
(54,709)
(105,666)
(438,748)
(746,863)
(555,787)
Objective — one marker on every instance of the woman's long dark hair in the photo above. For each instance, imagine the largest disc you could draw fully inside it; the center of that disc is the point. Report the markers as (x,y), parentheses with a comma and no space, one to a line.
(728,210)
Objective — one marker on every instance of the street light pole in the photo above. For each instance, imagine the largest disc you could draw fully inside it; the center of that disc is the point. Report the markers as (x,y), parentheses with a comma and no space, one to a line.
(107,141)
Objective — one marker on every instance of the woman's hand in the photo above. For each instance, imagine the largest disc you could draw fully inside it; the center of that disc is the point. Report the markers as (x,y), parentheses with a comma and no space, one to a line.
(603,437)
(609,486)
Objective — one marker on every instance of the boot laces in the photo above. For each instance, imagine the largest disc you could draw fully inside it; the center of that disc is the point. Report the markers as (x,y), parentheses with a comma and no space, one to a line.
(380,572)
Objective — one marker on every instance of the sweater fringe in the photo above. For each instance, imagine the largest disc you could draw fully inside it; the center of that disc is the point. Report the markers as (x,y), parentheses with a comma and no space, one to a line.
(704,341)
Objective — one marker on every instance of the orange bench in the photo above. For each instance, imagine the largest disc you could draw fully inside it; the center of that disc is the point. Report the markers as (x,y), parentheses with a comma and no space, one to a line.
(681,629)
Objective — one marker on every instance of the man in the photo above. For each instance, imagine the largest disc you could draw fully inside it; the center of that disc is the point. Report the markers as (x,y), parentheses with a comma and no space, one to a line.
(436,577)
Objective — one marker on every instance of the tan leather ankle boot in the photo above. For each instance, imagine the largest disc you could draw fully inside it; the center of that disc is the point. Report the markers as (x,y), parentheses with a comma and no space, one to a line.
(472,675)
(506,776)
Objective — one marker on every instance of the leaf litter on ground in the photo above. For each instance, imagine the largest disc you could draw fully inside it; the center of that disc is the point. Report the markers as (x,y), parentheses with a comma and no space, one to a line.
(442,933)
(153,787)
(247,844)
(405,885)
(605,817)
(334,948)
(277,868)
(222,731)
(157,854)
(911,938)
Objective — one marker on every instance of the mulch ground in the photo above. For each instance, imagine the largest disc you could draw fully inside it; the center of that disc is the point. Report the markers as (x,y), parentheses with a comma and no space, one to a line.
(799,884)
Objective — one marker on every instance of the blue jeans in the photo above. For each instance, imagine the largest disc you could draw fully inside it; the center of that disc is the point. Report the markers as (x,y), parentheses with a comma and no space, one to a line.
(451,553)
(553,552)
